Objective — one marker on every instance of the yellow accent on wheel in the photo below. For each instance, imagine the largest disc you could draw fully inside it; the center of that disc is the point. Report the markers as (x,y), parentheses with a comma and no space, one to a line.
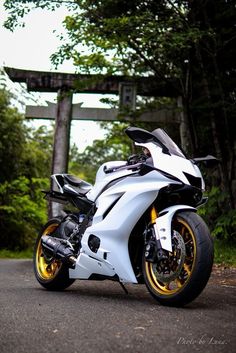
(47,268)
(176,284)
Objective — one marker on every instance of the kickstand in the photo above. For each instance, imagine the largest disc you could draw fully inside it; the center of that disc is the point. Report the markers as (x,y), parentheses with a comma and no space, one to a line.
(123,287)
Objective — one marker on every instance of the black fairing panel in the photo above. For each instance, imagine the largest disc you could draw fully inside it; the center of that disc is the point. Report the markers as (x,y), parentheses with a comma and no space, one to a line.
(139,135)
(142,136)
(176,194)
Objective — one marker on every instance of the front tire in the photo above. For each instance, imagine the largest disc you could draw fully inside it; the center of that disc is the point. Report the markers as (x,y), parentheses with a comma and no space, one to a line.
(183,276)
(52,274)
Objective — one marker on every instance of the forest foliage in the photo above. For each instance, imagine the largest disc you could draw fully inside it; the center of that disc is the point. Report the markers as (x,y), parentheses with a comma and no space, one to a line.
(188,43)
(25,156)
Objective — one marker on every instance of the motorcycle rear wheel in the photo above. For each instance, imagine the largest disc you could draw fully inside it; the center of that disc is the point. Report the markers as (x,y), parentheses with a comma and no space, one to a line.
(52,274)
(184,275)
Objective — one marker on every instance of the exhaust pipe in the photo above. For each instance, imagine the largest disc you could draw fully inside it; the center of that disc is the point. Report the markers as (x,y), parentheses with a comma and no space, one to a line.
(59,249)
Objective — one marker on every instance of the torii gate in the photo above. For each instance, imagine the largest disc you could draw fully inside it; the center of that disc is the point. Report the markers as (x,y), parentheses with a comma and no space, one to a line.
(66,84)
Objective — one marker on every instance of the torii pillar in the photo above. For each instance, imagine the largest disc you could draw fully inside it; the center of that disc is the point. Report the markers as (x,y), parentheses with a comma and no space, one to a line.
(61,144)
(62,132)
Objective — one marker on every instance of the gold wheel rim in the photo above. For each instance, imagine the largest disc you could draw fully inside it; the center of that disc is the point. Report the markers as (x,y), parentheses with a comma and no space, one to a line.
(180,282)
(46,268)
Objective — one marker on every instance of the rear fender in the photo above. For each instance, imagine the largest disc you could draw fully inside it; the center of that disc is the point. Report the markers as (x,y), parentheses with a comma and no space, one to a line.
(163,223)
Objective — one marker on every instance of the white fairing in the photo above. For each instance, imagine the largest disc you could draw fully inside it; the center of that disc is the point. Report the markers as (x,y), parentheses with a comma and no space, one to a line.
(121,205)
(114,230)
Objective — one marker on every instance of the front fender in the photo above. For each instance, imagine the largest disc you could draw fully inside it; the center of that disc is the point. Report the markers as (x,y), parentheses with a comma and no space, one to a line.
(162,225)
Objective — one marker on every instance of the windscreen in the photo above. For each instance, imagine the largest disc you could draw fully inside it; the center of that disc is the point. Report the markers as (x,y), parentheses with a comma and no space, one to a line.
(157,136)
(162,136)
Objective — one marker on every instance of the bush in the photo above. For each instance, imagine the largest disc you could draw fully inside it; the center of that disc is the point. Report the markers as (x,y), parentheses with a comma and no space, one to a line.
(219,217)
(22,212)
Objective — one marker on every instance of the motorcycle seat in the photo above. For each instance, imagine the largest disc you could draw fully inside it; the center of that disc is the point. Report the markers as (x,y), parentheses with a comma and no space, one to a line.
(81,186)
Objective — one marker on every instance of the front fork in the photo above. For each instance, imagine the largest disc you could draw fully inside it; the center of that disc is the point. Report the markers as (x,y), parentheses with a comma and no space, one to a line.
(153,248)
(159,233)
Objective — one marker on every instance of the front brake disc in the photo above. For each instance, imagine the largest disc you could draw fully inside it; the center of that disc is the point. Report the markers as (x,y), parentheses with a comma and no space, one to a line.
(168,270)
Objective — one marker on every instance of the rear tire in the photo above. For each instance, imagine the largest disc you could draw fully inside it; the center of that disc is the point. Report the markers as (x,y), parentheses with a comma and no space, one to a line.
(187,275)
(50,273)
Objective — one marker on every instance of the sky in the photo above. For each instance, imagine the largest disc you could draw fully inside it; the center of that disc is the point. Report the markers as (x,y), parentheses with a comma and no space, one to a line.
(30,48)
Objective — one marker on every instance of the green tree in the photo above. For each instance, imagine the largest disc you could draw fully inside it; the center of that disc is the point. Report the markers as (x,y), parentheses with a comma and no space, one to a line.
(12,140)
(25,156)
(22,212)
(213,94)
(37,153)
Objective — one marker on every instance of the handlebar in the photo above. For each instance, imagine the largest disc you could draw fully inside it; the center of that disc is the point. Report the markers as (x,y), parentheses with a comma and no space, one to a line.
(122,167)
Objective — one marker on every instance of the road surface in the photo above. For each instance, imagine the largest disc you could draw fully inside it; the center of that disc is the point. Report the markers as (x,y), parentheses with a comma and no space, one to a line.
(98,317)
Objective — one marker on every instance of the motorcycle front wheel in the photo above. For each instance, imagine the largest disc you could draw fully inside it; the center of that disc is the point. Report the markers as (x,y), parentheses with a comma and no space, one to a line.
(181,277)
(52,274)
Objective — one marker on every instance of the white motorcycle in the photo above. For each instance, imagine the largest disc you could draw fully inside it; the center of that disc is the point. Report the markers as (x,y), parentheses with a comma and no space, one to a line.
(137,224)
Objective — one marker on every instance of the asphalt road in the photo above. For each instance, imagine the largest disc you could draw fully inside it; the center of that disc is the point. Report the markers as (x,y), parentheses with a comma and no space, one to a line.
(99,317)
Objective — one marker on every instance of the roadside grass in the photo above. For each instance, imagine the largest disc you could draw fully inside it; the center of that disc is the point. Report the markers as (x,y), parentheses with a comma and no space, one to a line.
(225,253)
(9,254)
